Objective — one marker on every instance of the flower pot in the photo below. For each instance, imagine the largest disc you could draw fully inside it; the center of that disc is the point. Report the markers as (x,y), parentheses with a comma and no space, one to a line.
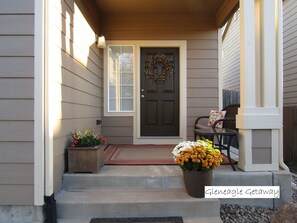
(195,181)
(85,159)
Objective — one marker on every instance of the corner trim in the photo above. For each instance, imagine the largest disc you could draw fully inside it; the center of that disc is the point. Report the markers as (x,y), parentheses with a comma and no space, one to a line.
(39,66)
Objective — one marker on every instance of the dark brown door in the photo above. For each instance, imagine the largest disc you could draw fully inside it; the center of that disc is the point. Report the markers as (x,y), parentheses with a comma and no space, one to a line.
(159,90)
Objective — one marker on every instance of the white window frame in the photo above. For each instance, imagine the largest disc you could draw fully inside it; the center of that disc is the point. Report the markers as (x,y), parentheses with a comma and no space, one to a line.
(106,80)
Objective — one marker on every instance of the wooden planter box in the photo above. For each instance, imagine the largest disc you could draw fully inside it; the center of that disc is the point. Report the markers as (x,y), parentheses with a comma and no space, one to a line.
(85,159)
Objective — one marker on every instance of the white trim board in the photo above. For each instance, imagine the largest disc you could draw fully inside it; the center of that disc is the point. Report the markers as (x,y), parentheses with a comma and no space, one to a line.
(182,45)
(137,139)
(39,102)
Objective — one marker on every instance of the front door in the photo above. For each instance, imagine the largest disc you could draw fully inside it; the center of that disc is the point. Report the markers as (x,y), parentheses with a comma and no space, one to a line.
(159,92)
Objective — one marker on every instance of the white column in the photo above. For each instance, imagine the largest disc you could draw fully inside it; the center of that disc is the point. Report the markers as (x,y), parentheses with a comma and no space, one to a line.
(259,117)
(51,109)
(268,53)
(247,54)
(279,80)
(247,78)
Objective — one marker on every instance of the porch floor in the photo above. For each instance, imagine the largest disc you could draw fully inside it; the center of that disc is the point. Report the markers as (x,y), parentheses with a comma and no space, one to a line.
(146,155)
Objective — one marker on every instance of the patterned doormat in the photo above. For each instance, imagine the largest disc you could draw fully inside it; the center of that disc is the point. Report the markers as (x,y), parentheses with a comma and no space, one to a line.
(138,220)
(139,155)
(143,155)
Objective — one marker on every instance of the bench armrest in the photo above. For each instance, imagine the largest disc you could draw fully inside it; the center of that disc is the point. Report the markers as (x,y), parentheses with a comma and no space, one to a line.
(223,120)
(197,120)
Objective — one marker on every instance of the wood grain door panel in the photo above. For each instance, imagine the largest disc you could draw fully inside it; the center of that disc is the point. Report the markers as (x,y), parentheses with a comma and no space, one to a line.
(160,98)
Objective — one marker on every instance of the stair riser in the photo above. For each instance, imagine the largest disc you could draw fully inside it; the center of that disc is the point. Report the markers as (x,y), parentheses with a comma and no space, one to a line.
(73,183)
(200,208)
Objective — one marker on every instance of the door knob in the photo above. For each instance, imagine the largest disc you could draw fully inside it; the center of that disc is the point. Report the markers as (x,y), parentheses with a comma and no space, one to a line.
(142,96)
(142,90)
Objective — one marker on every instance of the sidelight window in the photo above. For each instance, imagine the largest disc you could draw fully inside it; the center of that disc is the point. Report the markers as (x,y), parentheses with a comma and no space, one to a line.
(120,75)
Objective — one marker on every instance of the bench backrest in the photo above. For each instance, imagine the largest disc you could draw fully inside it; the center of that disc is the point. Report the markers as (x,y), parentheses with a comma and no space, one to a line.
(231,112)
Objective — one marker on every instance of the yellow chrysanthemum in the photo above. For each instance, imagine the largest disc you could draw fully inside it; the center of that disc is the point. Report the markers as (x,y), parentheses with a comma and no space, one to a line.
(200,153)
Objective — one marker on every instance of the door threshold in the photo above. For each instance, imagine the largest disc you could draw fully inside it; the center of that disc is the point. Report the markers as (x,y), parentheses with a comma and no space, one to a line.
(158,140)
(160,137)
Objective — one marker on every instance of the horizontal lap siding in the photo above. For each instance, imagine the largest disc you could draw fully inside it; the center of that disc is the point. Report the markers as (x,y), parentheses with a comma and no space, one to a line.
(16,102)
(118,130)
(78,78)
(202,79)
(231,56)
(202,60)
(290,81)
(290,53)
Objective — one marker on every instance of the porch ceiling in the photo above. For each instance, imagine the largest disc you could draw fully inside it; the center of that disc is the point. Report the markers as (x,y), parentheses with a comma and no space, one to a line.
(159,6)
(220,9)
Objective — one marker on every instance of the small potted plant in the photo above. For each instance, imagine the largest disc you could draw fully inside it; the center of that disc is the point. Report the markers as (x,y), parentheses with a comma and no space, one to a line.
(86,152)
(197,160)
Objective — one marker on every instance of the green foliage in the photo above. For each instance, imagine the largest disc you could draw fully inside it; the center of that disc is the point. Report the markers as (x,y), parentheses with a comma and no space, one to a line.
(88,138)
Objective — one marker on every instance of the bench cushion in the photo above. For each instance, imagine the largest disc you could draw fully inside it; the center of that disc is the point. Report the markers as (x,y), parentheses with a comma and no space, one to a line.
(215,115)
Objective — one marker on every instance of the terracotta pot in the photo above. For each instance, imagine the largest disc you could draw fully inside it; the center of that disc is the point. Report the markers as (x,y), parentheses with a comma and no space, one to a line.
(85,159)
(195,181)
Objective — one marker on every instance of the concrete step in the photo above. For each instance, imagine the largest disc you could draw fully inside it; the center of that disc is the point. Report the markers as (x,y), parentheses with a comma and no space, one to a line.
(133,203)
(126,177)
(163,177)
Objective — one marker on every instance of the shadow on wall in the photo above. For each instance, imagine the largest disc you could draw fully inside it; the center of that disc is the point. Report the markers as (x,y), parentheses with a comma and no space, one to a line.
(75,80)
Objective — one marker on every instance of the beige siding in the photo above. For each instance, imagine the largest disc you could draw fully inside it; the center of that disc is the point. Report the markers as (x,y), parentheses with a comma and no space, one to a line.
(78,78)
(231,56)
(202,59)
(16,102)
(290,52)
(16,67)
(290,80)
(17,194)
(9,149)
(11,24)
(16,7)
(16,46)
(118,130)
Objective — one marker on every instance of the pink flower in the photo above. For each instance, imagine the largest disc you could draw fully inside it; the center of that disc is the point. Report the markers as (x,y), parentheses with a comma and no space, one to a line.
(103,139)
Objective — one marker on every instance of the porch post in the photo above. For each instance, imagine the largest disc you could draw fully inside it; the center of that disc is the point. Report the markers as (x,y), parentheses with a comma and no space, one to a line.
(259,118)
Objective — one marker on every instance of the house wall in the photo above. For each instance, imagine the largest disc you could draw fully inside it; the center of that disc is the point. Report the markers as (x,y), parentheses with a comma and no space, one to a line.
(118,130)
(230,63)
(16,102)
(290,80)
(76,77)
(231,56)
(290,52)
(202,60)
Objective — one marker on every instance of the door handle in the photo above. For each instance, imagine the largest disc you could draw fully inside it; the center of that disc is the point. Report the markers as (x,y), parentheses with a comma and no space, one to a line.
(142,96)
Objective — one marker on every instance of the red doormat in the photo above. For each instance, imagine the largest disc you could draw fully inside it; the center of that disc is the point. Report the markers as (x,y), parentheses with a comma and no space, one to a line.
(139,155)
(143,155)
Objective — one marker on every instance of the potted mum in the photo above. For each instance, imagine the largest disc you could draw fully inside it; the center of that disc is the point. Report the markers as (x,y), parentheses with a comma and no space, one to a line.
(197,160)
(86,152)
